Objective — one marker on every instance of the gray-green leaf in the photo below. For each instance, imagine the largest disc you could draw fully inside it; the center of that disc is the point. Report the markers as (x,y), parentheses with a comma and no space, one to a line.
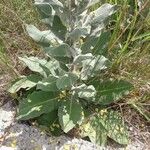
(50,2)
(60,53)
(85,92)
(111,91)
(35,64)
(95,131)
(101,45)
(89,44)
(78,60)
(113,123)
(70,114)
(26,82)
(46,11)
(45,38)
(92,66)
(66,81)
(102,13)
(48,84)
(78,32)
(105,124)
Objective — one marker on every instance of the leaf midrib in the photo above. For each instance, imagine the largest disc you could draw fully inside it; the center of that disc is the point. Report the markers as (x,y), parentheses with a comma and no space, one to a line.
(115,89)
(38,104)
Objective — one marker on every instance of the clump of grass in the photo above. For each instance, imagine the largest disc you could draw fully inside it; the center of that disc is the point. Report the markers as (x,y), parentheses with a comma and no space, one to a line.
(129,48)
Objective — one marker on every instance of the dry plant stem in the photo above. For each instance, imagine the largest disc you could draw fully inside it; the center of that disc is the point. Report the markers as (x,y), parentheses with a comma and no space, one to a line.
(21,21)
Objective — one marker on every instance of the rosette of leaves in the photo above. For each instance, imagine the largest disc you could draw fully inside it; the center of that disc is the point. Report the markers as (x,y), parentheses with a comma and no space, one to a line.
(59,90)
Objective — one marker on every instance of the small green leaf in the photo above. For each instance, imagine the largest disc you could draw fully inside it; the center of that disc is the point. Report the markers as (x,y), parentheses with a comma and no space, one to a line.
(85,92)
(48,84)
(102,44)
(60,53)
(46,11)
(66,81)
(26,82)
(37,103)
(53,67)
(63,67)
(51,122)
(58,28)
(111,91)
(78,60)
(89,44)
(77,33)
(70,114)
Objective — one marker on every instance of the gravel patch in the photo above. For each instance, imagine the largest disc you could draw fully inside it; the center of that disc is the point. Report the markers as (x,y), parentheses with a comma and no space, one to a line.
(19,136)
(7,113)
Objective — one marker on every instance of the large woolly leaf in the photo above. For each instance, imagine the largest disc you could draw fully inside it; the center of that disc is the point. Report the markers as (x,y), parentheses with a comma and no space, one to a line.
(66,81)
(35,64)
(26,82)
(111,91)
(70,114)
(60,53)
(105,124)
(59,8)
(113,123)
(96,45)
(102,13)
(48,14)
(96,19)
(48,84)
(36,104)
(95,131)
(92,66)
(44,38)
(89,63)
(46,11)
